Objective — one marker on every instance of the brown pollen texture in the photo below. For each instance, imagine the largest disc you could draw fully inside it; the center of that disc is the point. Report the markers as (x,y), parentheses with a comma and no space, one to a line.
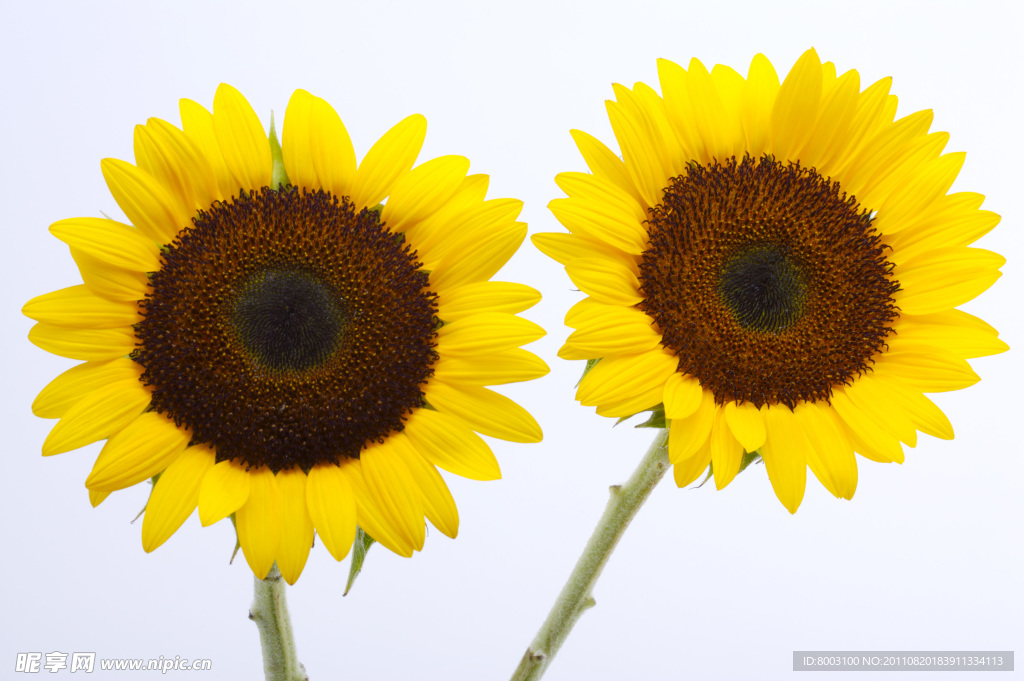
(767,281)
(287,329)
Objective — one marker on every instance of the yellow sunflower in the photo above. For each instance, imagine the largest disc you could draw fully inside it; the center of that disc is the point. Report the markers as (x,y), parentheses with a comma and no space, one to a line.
(267,340)
(777,266)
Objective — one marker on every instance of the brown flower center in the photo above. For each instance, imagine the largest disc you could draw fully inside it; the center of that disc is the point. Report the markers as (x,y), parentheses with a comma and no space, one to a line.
(768,283)
(286,329)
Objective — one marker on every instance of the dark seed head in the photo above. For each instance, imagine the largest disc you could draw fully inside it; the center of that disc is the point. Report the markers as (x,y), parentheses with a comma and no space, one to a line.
(768,283)
(286,329)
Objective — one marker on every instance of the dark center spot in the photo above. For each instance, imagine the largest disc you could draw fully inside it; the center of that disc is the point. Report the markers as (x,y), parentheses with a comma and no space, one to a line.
(287,320)
(762,288)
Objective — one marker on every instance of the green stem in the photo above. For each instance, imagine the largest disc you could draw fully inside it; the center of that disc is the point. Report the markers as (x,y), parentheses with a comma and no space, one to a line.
(269,611)
(575,598)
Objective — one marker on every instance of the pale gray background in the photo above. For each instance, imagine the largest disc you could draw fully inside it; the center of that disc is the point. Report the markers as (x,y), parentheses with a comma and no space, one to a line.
(706,584)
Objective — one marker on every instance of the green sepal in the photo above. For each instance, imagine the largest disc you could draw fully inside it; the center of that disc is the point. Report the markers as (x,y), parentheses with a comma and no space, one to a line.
(238,543)
(656,419)
(278,175)
(360,546)
(748,458)
(586,370)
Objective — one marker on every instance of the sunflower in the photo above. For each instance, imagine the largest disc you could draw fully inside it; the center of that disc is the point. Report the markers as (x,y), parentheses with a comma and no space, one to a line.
(775,266)
(266,339)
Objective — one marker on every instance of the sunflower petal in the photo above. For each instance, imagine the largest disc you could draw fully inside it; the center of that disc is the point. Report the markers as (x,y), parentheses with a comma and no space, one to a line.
(95,345)
(445,442)
(394,489)
(485,411)
(332,507)
(224,490)
(388,159)
(175,495)
(296,525)
(241,140)
(145,447)
(73,385)
(97,415)
(258,522)
(78,307)
(112,242)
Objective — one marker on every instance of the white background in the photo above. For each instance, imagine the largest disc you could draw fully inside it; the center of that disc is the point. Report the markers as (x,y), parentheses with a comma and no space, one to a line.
(706,584)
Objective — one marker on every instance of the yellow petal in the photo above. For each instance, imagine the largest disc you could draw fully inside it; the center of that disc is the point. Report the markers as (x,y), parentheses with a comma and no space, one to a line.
(109,281)
(297,142)
(225,489)
(726,451)
(507,366)
(241,139)
(868,439)
(747,424)
(84,344)
(150,207)
(616,378)
(922,412)
(564,248)
(97,415)
(927,368)
(687,435)
(796,107)
(78,307)
(632,405)
(258,522)
(485,333)
(486,296)
(604,163)
(394,489)
(437,500)
(371,517)
(714,122)
(639,150)
(682,395)
(387,160)
(332,506)
(175,495)
(197,123)
(942,279)
(485,411)
(145,447)
(461,226)
(878,403)
(112,242)
(423,190)
(177,164)
(601,223)
(688,469)
(296,525)
(482,262)
(446,442)
(830,454)
(605,196)
(606,281)
(757,104)
(785,456)
(614,330)
(955,331)
(70,387)
(333,156)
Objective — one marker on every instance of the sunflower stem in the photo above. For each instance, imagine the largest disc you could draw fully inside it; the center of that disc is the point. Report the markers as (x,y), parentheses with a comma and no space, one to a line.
(575,597)
(269,611)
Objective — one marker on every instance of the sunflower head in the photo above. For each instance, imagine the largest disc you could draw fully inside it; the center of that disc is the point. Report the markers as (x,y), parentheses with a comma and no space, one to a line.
(289,336)
(776,266)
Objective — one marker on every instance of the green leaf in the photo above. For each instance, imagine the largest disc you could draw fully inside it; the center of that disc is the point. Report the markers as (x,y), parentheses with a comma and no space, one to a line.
(359,548)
